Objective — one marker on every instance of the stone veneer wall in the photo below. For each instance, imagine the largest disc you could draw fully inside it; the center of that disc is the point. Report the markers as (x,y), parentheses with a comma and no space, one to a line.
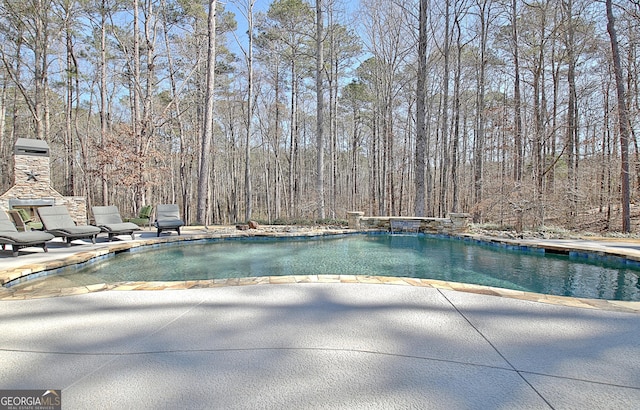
(454,224)
(26,189)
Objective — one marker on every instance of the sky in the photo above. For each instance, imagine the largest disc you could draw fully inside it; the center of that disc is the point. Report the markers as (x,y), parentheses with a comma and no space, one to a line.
(235,6)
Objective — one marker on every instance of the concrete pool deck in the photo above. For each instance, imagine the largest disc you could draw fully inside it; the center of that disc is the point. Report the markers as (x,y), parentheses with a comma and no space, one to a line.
(317,342)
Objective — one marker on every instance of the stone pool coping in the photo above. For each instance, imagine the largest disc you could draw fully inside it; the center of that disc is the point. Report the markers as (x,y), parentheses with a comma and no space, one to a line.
(14,268)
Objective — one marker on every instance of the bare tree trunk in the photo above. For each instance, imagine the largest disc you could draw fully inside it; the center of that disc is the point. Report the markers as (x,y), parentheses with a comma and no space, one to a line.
(480,104)
(444,160)
(247,154)
(456,121)
(276,150)
(374,163)
(72,70)
(421,96)
(40,70)
(517,98)
(605,163)
(147,130)
(4,166)
(293,144)
(207,137)
(103,98)
(572,108)
(538,131)
(387,188)
(136,110)
(332,80)
(538,114)
(320,109)
(354,162)
(623,120)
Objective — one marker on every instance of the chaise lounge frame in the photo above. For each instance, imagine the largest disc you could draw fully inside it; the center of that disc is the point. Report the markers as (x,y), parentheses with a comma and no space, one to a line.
(9,235)
(168,218)
(57,221)
(108,219)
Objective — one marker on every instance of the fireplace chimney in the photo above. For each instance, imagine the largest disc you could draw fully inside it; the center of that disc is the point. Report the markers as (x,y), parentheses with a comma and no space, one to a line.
(32,170)
(32,182)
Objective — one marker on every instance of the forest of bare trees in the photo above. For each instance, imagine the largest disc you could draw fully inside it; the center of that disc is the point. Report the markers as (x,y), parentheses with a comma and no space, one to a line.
(523,113)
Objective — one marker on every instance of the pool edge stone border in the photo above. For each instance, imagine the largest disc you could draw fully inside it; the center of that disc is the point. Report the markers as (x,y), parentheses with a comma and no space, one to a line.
(110,249)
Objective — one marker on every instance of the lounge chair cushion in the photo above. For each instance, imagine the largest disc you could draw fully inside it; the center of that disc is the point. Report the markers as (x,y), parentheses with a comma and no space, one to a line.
(79,230)
(120,227)
(25,238)
(170,224)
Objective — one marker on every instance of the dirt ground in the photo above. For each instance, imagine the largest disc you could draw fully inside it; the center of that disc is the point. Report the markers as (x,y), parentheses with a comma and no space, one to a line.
(597,222)
(591,224)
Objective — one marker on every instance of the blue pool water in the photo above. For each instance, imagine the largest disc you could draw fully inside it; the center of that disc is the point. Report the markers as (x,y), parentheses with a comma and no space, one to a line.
(416,256)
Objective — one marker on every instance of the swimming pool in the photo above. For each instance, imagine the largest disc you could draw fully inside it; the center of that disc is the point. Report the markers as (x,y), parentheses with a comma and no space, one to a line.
(415,256)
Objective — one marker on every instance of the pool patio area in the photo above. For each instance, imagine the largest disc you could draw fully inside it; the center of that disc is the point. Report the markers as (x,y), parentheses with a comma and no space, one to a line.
(315,341)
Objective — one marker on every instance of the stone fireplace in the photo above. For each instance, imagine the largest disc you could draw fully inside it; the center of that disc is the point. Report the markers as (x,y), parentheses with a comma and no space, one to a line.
(32,183)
